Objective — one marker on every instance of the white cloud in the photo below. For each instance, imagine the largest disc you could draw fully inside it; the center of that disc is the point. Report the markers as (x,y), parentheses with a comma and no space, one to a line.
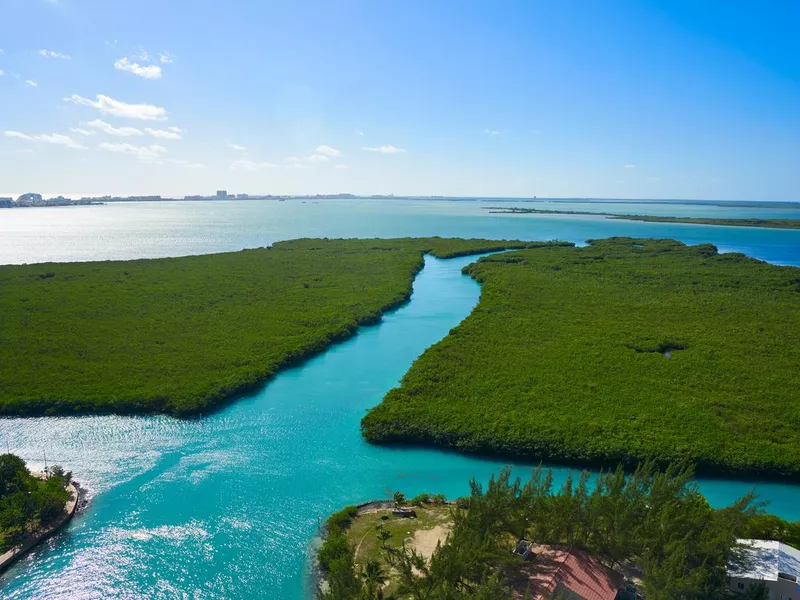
(328,151)
(312,158)
(2,72)
(30,83)
(186,163)
(170,133)
(54,138)
(384,149)
(80,131)
(250,165)
(166,57)
(116,108)
(146,71)
(53,54)
(143,153)
(491,131)
(628,166)
(111,130)
(237,147)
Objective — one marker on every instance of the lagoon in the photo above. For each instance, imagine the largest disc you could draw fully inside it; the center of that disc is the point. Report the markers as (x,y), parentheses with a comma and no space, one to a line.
(226,505)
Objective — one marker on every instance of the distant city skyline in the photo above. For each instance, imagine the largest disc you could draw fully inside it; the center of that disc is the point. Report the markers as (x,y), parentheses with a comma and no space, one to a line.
(649,100)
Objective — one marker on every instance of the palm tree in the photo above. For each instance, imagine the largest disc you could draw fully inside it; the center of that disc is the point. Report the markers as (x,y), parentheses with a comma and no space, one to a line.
(374,577)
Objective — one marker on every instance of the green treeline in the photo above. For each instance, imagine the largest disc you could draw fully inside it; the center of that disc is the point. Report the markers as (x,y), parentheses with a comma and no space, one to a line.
(769,223)
(654,520)
(616,352)
(181,335)
(28,502)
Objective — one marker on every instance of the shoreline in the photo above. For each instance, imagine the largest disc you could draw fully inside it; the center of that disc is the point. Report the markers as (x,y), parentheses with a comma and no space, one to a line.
(786,224)
(10,557)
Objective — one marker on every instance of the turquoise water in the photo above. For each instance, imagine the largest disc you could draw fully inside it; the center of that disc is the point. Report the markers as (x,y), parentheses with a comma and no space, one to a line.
(225,506)
(147,230)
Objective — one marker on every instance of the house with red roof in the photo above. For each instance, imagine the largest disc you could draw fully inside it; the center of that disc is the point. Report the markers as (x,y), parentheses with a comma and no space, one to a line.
(575,573)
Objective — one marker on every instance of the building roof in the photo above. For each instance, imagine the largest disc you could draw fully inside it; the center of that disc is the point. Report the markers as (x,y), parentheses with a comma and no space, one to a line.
(578,572)
(765,559)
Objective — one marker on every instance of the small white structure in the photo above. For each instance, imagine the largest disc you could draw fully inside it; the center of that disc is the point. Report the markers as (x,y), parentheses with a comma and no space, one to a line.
(772,563)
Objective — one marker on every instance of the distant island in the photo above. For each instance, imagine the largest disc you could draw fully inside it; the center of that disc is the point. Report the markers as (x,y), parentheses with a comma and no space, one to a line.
(770,223)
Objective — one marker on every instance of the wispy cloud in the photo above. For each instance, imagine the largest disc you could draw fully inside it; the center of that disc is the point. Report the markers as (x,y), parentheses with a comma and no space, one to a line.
(170,133)
(30,83)
(48,138)
(81,131)
(165,58)
(186,163)
(328,151)
(250,165)
(2,72)
(116,108)
(237,147)
(340,166)
(53,54)
(360,133)
(143,153)
(111,130)
(491,131)
(146,71)
(384,149)
(629,166)
(321,154)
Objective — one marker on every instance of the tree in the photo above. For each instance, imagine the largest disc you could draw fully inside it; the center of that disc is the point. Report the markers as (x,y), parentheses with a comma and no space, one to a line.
(757,591)
(374,578)
(384,535)
(399,498)
(12,474)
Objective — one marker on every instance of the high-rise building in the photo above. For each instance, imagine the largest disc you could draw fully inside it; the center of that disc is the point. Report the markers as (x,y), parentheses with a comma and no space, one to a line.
(222,194)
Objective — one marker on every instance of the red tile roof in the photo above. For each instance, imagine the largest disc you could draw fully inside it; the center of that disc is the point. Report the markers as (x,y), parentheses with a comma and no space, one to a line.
(576,571)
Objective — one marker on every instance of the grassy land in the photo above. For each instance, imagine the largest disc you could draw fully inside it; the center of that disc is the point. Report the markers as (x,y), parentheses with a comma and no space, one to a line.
(769,223)
(181,335)
(355,533)
(363,531)
(563,359)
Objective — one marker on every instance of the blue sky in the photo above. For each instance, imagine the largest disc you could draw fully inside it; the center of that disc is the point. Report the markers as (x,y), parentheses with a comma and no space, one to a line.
(650,99)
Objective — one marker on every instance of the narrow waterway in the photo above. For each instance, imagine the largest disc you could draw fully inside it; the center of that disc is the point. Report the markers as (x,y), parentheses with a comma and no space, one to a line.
(225,506)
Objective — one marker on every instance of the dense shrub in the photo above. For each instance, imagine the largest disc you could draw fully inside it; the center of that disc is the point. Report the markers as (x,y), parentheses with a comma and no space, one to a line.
(181,335)
(565,358)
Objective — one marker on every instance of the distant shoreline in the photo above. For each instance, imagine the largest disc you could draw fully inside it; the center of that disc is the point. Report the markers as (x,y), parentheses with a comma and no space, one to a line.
(748,222)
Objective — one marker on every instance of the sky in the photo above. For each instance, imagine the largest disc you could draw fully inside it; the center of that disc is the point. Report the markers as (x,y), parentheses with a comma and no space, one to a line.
(565,98)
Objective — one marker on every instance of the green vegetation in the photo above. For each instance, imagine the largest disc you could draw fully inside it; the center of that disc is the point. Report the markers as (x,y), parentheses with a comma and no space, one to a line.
(769,223)
(565,358)
(181,335)
(28,502)
(654,520)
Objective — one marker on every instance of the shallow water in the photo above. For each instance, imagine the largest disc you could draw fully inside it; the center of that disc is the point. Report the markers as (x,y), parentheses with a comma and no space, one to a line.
(148,230)
(225,506)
